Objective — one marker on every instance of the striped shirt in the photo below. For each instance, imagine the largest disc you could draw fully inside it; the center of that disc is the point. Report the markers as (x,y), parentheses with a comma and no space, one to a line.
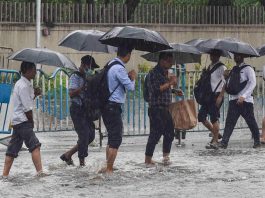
(158,77)
(23,98)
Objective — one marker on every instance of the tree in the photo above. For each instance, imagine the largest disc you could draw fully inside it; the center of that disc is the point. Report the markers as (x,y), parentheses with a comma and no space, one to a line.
(131,6)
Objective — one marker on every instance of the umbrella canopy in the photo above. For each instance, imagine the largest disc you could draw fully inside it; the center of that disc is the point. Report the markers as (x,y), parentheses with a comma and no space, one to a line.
(198,43)
(43,56)
(231,45)
(182,53)
(86,40)
(138,38)
(261,50)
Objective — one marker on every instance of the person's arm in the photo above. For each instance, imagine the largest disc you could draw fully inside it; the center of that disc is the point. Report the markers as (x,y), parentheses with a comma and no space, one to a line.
(27,102)
(124,79)
(74,88)
(251,84)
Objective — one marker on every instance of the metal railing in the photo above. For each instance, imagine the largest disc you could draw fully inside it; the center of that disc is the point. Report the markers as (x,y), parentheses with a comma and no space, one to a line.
(55,13)
(52,107)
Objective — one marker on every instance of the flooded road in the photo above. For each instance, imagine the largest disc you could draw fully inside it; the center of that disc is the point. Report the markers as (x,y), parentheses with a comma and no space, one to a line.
(238,171)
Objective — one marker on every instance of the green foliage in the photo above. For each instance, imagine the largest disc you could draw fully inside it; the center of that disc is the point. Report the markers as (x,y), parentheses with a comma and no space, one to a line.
(246,2)
(144,67)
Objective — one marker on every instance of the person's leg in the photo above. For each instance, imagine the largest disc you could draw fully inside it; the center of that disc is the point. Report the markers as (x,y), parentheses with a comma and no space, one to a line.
(231,119)
(36,158)
(7,166)
(248,114)
(262,137)
(154,135)
(113,122)
(167,124)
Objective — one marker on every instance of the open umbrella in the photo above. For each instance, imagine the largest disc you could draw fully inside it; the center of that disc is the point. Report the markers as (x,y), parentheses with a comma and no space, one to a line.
(182,53)
(261,50)
(138,38)
(86,40)
(232,45)
(198,43)
(43,56)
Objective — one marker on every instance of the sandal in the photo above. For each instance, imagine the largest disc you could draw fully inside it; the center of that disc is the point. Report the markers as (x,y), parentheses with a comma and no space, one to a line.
(67,161)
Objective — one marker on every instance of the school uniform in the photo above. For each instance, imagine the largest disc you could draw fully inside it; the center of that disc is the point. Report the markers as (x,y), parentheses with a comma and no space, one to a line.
(23,97)
(217,83)
(246,110)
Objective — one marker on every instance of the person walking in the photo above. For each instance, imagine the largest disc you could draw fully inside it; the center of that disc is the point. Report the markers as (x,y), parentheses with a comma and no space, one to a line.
(83,125)
(159,87)
(118,81)
(22,121)
(212,107)
(241,103)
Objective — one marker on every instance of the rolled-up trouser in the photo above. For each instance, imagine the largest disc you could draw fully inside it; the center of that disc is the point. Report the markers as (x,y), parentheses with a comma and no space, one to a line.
(234,111)
(160,124)
(113,122)
(84,128)
(22,132)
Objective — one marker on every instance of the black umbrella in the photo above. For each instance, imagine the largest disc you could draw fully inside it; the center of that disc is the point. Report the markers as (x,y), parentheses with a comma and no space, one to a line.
(43,56)
(182,53)
(198,43)
(261,50)
(86,40)
(232,45)
(138,38)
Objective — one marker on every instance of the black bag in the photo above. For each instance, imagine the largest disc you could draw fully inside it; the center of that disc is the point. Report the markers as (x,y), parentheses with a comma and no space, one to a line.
(145,89)
(203,90)
(233,85)
(97,92)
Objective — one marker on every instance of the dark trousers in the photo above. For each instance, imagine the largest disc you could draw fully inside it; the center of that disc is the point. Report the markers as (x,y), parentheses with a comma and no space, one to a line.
(160,124)
(84,128)
(113,122)
(234,111)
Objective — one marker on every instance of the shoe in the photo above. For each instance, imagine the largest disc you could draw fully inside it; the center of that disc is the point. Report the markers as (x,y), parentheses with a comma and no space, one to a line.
(220,136)
(211,146)
(67,161)
(256,145)
(221,145)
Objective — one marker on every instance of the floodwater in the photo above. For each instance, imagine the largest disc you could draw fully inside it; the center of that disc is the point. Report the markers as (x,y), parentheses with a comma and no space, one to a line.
(238,171)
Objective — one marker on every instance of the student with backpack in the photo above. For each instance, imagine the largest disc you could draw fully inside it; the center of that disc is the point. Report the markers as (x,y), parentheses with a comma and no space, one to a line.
(240,85)
(83,125)
(212,86)
(118,82)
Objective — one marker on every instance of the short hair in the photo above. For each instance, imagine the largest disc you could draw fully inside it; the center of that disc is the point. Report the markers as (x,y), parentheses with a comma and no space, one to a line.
(215,52)
(165,55)
(26,66)
(124,51)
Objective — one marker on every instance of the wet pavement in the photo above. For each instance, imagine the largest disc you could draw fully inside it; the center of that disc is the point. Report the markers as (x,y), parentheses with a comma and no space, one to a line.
(238,171)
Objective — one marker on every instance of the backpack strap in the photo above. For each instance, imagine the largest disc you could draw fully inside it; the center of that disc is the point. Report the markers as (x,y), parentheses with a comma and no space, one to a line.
(215,67)
(242,67)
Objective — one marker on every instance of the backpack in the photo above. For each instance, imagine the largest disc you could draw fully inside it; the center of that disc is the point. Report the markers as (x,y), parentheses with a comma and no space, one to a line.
(233,85)
(203,89)
(97,92)
(145,89)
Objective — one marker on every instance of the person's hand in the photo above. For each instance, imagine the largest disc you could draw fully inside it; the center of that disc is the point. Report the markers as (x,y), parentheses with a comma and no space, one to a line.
(240,100)
(219,101)
(178,92)
(132,74)
(173,80)
(37,91)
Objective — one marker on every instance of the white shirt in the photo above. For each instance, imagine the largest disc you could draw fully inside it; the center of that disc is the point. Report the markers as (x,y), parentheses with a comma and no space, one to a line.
(23,97)
(247,73)
(217,76)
